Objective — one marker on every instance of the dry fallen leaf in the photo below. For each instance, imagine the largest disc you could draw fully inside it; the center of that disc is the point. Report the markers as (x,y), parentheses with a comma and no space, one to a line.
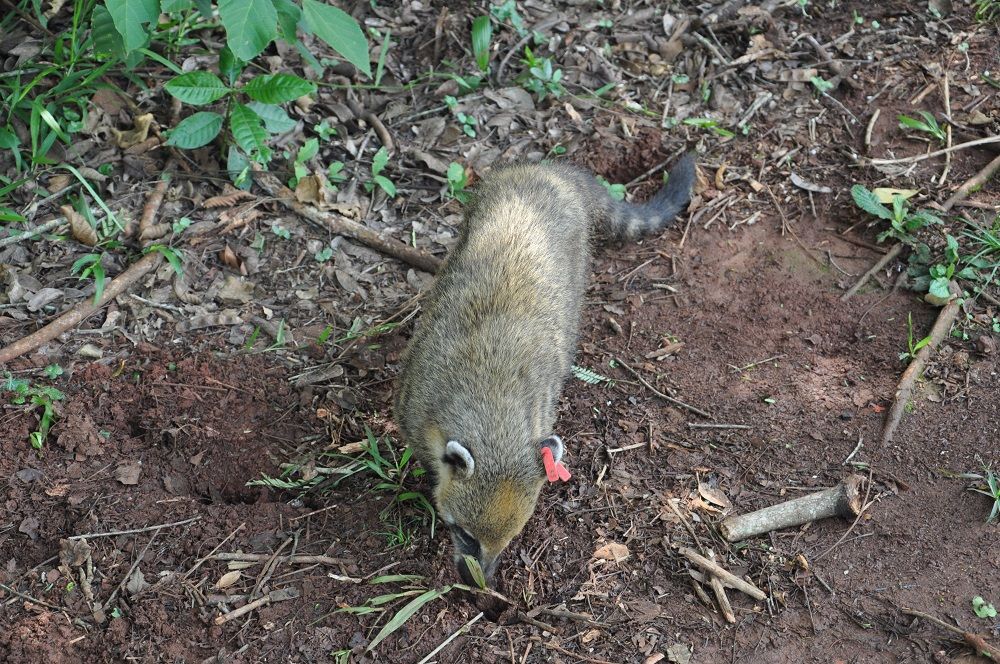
(82,231)
(714,495)
(229,258)
(612,551)
(228,579)
(128,472)
(589,636)
(132,137)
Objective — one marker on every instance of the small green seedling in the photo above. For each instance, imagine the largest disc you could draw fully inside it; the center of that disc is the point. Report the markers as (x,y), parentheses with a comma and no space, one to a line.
(991,491)
(53,371)
(912,347)
(44,397)
(983,609)
(482,33)
(465,121)
(710,124)
(821,84)
(616,191)
(335,173)
(90,266)
(903,222)
(929,125)
(308,150)
(591,377)
(379,162)
(540,76)
(457,182)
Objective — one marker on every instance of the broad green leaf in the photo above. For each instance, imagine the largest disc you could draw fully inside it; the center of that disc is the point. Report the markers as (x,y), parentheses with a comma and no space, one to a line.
(386,185)
(276,120)
(867,201)
(250,26)
(340,31)
(197,88)
(951,248)
(482,33)
(982,608)
(196,130)
(289,16)
(906,122)
(885,194)
(229,65)
(396,578)
(476,570)
(130,18)
(248,130)
(278,88)
(107,39)
(405,614)
(939,289)
(167,6)
(309,150)
(204,8)
(380,160)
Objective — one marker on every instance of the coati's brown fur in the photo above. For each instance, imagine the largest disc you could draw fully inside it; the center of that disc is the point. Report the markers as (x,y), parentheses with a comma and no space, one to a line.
(483,372)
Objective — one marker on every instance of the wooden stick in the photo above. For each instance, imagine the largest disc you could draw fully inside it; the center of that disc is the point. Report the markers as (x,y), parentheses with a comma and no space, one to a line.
(116,533)
(83,310)
(343,226)
(31,233)
(147,229)
(29,598)
(663,396)
(976,181)
(725,607)
(937,153)
(725,575)
(915,368)
(882,262)
(842,500)
(273,596)
(298,559)
(461,630)
(976,641)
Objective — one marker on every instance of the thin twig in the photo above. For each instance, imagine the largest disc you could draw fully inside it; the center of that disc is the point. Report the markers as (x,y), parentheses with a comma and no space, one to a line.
(980,644)
(663,396)
(201,560)
(976,181)
(937,153)
(720,425)
(135,530)
(915,368)
(343,226)
(29,598)
(273,596)
(31,233)
(461,630)
(725,575)
(881,263)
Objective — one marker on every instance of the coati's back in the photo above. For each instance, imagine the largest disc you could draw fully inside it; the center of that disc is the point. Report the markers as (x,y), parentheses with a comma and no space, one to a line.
(483,372)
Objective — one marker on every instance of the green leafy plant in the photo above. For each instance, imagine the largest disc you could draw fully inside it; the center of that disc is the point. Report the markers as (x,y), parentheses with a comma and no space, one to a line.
(990,489)
(90,266)
(507,12)
(308,150)
(821,84)
(903,222)
(987,10)
(982,608)
(540,76)
(616,191)
(482,33)
(591,377)
(379,162)
(457,182)
(912,346)
(466,121)
(36,396)
(711,125)
(929,125)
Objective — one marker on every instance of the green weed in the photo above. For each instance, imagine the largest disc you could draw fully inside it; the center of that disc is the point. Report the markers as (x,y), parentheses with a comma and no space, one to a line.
(616,191)
(540,76)
(591,377)
(466,122)
(912,346)
(929,125)
(711,125)
(482,34)
(903,222)
(457,182)
(991,489)
(987,10)
(90,266)
(379,162)
(35,396)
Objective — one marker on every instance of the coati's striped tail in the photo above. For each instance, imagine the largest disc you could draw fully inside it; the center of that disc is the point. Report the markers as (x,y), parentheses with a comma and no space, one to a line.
(628,221)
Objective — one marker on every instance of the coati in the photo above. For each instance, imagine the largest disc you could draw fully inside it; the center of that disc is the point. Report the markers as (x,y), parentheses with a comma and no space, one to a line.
(476,398)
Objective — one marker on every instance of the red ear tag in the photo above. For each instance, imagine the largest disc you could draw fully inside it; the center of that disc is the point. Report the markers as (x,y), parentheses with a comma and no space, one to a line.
(554,471)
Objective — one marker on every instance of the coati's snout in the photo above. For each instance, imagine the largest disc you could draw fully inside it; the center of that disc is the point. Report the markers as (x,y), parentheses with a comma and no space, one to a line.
(486,504)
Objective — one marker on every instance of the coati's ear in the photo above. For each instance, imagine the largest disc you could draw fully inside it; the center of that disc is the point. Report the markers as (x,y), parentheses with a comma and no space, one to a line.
(555,444)
(459,458)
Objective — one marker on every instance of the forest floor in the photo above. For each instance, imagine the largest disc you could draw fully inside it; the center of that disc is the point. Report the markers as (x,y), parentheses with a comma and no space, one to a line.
(205,421)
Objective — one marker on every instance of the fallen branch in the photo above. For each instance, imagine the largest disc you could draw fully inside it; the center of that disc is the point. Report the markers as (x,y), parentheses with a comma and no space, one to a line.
(271,597)
(975,182)
(882,262)
(663,396)
(344,226)
(976,641)
(915,368)
(31,233)
(83,310)
(936,153)
(296,559)
(147,229)
(727,577)
(842,500)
